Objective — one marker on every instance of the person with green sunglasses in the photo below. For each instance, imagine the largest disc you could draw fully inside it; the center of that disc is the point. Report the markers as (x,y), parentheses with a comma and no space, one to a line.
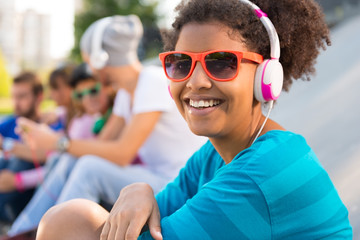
(92,92)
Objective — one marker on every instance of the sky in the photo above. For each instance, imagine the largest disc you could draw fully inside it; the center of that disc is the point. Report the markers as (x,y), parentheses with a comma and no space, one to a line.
(62,19)
(166,7)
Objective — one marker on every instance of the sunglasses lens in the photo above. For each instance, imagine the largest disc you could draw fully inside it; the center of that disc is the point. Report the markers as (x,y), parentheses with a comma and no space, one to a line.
(222,65)
(93,91)
(177,65)
(78,95)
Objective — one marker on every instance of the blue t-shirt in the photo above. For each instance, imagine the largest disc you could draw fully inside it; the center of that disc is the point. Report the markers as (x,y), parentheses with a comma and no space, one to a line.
(8,125)
(275,189)
(7,128)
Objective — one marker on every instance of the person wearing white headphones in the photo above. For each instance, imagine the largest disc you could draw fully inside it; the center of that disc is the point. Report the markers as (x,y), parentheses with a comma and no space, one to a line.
(253,179)
(145,125)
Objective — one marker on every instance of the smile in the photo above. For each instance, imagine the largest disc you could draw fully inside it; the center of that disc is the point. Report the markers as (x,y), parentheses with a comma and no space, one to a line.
(204,103)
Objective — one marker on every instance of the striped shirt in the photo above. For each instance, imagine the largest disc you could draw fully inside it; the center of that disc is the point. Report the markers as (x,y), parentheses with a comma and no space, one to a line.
(275,189)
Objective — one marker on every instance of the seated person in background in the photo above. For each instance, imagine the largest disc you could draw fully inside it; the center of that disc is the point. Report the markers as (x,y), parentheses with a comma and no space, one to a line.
(85,114)
(252,179)
(60,92)
(144,123)
(27,94)
(90,103)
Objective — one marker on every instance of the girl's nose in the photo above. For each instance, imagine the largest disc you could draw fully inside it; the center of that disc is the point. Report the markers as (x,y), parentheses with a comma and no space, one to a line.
(199,79)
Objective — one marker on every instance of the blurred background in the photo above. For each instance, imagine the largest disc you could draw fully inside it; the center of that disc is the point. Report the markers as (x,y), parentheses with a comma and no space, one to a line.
(40,35)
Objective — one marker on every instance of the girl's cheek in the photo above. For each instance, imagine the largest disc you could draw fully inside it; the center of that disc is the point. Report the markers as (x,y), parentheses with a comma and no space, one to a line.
(175,90)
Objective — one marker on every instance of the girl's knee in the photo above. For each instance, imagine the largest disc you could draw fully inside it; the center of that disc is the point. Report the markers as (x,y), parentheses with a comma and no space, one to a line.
(75,219)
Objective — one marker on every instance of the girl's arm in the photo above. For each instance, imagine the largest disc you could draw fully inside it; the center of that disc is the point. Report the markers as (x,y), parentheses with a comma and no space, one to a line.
(112,128)
(121,151)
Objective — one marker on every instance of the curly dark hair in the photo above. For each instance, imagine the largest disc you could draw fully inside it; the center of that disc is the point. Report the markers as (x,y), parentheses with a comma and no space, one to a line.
(300,25)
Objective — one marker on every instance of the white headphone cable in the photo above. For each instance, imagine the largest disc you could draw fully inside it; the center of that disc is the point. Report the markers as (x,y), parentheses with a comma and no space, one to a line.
(271,105)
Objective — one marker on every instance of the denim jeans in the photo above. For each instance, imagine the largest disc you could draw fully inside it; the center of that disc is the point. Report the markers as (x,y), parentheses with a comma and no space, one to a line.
(45,196)
(92,178)
(13,202)
(96,179)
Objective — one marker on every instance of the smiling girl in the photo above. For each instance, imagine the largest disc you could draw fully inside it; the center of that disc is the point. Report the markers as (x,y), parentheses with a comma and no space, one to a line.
(252,179)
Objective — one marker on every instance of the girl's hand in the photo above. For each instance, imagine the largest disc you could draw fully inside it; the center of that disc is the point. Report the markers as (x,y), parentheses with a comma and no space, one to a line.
(7,181)
(135,207)
(49,117)
(39,136)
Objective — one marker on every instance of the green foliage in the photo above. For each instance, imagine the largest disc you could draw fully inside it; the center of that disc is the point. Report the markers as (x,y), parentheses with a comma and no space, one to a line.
(96,9)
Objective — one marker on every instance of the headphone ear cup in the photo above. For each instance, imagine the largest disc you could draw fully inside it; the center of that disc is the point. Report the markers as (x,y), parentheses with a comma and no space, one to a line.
(98,56)
(99,59)
(268,80)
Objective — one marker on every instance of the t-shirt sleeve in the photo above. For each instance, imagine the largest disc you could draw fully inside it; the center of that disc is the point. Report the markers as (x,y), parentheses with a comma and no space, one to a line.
(231,206)
(3,127)
(152,93)
(122,104)
(185,185)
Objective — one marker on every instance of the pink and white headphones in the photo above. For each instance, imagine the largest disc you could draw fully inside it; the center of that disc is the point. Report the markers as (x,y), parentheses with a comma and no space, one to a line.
(269,74)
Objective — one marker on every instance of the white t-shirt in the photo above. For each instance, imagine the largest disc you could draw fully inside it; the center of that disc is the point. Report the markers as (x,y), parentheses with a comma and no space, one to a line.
(171,143)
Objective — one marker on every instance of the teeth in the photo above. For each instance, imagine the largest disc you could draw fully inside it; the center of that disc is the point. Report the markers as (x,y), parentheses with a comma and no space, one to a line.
(204,103)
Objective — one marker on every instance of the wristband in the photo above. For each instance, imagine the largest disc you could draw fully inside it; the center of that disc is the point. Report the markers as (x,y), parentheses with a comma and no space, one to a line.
(19,183)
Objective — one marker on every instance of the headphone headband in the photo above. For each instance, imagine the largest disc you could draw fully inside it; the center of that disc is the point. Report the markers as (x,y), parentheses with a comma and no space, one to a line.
(269,75)
(269,26)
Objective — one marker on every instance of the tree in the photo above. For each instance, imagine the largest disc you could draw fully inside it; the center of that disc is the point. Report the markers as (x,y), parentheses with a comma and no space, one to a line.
(95,9)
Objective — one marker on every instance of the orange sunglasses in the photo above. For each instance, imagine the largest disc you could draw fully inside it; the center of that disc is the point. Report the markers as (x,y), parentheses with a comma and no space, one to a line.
(220,65)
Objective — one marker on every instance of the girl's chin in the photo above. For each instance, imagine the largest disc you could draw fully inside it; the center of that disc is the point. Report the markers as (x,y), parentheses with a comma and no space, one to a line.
(203,131)
(91,112)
